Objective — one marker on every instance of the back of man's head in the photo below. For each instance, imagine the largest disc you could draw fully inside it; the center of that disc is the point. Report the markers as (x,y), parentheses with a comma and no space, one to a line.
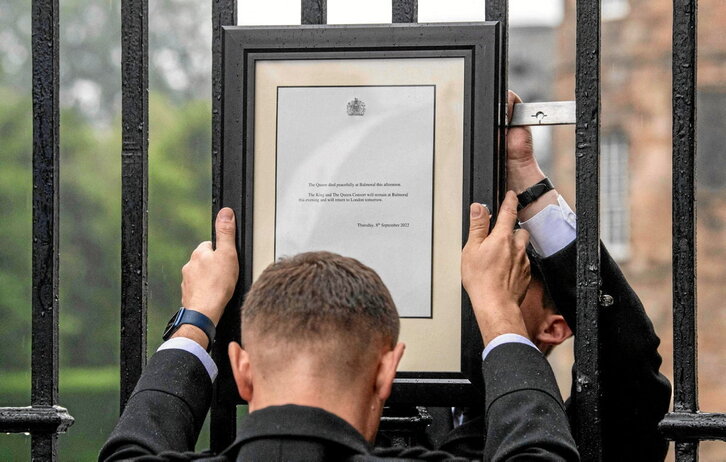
(331,310)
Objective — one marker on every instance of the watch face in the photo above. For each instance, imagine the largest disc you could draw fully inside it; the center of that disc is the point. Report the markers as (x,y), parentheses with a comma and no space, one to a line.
(172,325)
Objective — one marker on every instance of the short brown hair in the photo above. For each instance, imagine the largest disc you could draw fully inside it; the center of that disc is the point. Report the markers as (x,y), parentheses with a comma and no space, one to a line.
(320,296)
(536,274)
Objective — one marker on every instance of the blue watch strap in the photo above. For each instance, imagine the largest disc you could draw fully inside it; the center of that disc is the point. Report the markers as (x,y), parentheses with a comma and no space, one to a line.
(195,318)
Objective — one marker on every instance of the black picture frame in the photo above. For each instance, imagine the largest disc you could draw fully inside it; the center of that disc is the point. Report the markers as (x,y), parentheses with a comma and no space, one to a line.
(479,45)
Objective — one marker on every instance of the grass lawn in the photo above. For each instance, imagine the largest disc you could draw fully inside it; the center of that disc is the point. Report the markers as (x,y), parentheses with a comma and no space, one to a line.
(91,397)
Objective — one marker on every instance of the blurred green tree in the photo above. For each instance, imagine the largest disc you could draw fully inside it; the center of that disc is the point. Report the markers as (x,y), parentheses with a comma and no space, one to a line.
(179,214)
(15,228)
(180,40)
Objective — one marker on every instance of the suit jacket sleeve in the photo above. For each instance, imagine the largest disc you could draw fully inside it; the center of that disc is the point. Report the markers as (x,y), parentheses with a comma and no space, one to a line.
(166,410)
(635,395)
(524,413)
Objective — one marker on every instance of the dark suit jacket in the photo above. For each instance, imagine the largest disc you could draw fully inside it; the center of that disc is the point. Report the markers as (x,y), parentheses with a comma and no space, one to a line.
(635,395)
(523,409)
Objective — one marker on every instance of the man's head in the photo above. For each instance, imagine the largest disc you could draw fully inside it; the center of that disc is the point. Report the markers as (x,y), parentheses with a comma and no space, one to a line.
(319,329)
(545,325)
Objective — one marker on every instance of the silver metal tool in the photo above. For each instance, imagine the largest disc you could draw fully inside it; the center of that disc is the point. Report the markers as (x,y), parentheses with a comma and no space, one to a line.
(548,113)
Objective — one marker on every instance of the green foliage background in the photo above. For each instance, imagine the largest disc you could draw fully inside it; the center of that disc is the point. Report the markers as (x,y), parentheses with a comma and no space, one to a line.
(90,223)
(90,198)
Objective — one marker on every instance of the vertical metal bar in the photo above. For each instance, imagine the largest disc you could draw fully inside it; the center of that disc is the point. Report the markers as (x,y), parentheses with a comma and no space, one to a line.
(222,414)
(498,10)
(687,451)
(224,13)
(44,447)
(314,12)
(685,373)
(587,342)
(44,361)
(134,190)
(404,11)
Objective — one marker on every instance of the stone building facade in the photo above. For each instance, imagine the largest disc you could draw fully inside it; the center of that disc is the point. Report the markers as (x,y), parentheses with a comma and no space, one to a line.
(636,168)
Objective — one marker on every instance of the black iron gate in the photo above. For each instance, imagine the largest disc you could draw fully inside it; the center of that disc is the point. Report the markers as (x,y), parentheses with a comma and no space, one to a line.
(44,419)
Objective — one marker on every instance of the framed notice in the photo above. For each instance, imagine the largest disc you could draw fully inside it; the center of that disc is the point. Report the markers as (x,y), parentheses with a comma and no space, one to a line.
(371,142)
(360,157)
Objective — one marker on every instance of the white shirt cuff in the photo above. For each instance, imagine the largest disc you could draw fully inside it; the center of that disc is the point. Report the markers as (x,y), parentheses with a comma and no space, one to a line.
(505,338)
(552,229)
(187,344)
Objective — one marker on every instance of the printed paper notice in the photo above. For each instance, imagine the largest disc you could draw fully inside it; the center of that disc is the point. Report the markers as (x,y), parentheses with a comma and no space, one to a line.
(355,176)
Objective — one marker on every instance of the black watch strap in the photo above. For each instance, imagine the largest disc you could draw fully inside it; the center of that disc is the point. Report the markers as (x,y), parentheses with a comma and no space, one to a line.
(195,318)
(534,192)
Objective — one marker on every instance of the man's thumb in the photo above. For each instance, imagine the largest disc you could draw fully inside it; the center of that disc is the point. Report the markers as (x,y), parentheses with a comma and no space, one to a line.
(478,223)
(225,229)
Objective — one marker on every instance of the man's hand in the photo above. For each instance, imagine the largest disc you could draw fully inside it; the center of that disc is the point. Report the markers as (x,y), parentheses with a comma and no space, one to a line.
(522,168)
(209,278)
(495,270)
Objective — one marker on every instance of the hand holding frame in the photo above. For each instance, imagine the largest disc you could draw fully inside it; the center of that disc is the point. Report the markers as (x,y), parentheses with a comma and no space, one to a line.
(495,270)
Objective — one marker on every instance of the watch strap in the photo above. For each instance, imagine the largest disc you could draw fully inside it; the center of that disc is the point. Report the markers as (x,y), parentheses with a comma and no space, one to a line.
(534,192)
(195,318)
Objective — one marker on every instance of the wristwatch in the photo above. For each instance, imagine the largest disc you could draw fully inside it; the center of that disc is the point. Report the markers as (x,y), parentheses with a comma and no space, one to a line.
(195,318)
(534,192)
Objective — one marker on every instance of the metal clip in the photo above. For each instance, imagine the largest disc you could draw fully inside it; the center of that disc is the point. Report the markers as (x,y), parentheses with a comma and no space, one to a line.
(548,113)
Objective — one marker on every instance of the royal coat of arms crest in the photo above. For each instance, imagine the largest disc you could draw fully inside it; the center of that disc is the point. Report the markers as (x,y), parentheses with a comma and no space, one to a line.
(356,107)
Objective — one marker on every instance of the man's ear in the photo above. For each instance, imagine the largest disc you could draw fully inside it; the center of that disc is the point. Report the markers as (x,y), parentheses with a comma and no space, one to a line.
(554,331)
(240,361)
(387,371)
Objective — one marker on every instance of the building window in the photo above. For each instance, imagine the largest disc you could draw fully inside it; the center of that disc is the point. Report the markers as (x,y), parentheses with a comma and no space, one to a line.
(615,9)
(614,189)
(711,157)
